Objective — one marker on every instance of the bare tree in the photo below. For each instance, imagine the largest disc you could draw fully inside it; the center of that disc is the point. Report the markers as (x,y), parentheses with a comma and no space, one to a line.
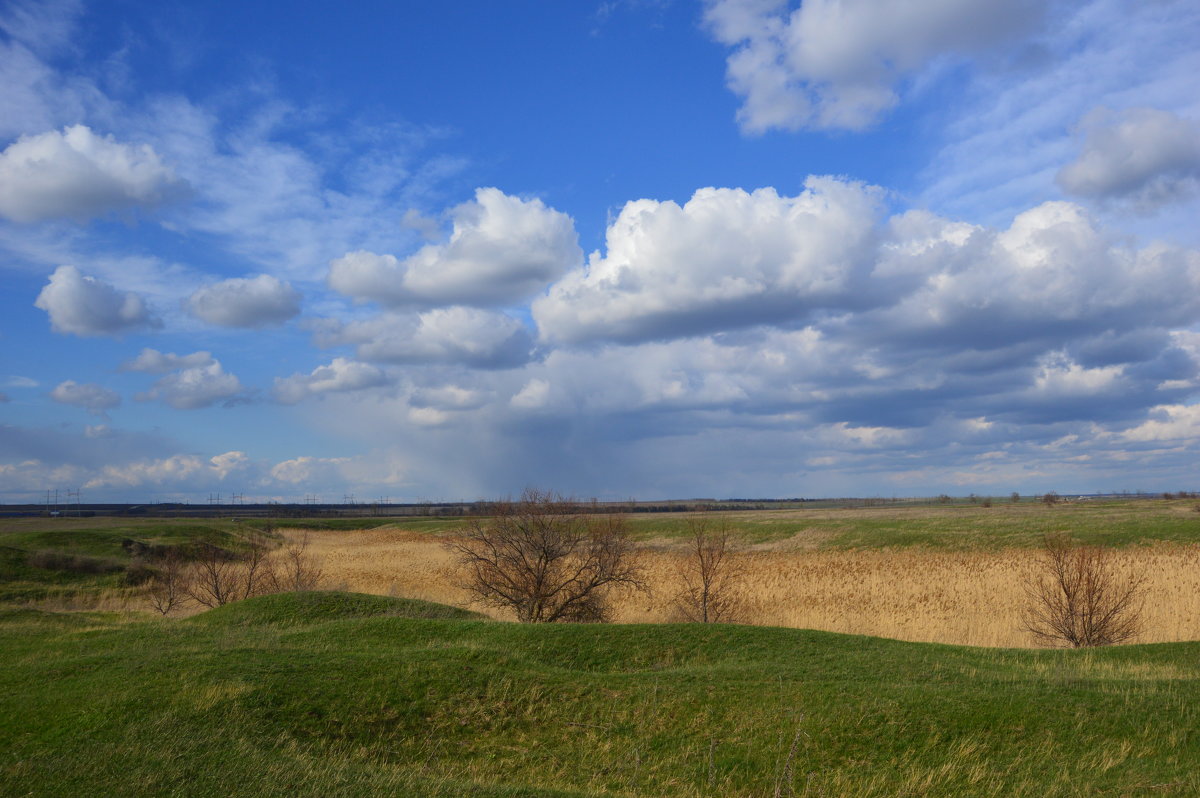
(215,578)
(1078,598)
(710,574)
(169,586)
(546,559)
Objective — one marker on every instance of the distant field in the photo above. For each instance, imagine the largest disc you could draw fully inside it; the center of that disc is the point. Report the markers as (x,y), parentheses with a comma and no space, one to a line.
(952,527)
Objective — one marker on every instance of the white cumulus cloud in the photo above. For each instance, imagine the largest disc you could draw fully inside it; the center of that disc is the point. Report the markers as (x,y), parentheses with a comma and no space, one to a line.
(837,63)
(78,174)
(196,386)
(338,376)
(86,306)
(90,396)
(151,361)
(309,470)
(225,464)
(502,250)
(175,469)
(462,335)
(1146,155)
(726,259)
(245,302)
(1172,423)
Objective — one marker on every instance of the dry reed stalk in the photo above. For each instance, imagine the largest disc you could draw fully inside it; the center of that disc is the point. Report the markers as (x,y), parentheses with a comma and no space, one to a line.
(967,598)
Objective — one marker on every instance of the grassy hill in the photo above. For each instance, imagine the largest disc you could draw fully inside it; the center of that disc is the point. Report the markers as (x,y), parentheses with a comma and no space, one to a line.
(341,694)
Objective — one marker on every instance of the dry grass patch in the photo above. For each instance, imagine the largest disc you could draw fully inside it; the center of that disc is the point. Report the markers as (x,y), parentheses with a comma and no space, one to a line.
(958,597)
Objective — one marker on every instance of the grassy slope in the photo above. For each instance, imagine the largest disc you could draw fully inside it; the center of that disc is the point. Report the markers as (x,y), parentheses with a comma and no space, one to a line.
(336,694)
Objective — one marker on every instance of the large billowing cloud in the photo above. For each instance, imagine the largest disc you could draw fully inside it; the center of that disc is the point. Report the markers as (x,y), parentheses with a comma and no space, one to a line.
(86,306)
(78,174)
(245,302)
(454,335)
(502,250)
(338,376)
(1052,276)
(1144,155)
(727,259)
(837,63)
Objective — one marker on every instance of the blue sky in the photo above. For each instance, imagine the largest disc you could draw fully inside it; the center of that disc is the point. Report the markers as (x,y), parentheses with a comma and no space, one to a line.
(651,248)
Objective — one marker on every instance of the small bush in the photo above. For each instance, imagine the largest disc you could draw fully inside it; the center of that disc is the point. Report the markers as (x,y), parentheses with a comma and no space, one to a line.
(1078,598)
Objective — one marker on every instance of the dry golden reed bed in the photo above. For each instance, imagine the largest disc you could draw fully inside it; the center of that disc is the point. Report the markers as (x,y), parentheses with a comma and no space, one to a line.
(969,598)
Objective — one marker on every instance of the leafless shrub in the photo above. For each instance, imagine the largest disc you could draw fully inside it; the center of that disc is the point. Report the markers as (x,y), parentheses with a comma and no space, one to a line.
(987,501)
(295,568)
(1014,497)
(219,576)
(1050,498)
(545,559)
(710,575)
(257,571)
(169,586)
(1078,598)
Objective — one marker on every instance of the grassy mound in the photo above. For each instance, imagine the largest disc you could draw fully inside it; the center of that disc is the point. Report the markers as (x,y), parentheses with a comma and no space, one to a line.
(336,694)
(318,606)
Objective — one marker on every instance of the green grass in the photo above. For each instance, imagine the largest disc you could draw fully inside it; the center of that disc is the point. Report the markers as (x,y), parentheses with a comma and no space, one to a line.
(338,694)
(952,527)
(345,694)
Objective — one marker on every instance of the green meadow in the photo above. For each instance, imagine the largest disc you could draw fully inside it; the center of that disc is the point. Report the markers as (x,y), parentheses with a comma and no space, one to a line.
(343,694)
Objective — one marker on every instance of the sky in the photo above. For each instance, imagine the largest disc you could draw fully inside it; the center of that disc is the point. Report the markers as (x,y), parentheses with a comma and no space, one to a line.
(644,249)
